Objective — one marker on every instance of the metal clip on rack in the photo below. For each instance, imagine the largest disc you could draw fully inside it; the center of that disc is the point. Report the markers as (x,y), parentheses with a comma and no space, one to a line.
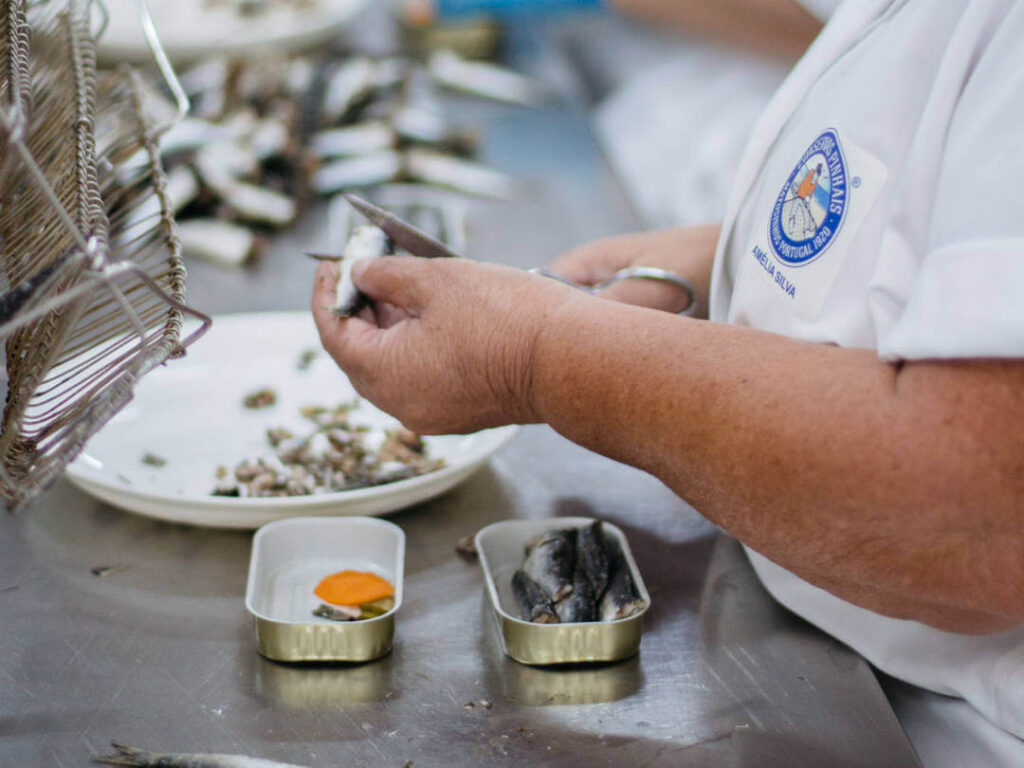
(92,285)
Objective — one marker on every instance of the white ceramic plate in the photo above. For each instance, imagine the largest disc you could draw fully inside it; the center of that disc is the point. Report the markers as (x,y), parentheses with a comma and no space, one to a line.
(190,413)
(192,29)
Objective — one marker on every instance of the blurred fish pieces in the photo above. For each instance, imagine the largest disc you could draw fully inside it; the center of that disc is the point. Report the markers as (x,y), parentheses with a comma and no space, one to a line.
(217,241)
(269,137)
(485,80)
(359,171)
(222,161)
(190,134)
(266,132)
(455,173)
(358,139)
(258,204)
(182,187)
(350,83)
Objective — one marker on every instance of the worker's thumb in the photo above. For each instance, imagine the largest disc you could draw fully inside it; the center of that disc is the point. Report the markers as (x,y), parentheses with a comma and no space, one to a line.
(399,280)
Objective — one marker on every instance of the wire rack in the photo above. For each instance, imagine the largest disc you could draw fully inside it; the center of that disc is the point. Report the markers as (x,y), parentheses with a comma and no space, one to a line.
(91,276)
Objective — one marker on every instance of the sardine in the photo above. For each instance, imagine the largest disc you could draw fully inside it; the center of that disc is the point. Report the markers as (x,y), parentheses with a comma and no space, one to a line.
(366,243)
(338,612)
(535,605)
(269,137)
(485,80)
(358,139)
(550,562)
(416,123)
(591,556)
(621,598)
(259,204)
(360,171)
(190,134)
(217,241)
(455,173)
(126,755)
(422,126)
(241,123)
(581,604)
(221,162)
(182,187)
(350,84)
(390,73)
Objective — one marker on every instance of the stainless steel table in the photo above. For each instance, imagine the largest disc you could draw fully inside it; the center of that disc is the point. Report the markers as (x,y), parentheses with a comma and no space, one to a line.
(159,652)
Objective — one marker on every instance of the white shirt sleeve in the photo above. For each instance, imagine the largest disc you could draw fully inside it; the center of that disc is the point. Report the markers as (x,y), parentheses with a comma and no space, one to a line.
(967,299)
(820,8)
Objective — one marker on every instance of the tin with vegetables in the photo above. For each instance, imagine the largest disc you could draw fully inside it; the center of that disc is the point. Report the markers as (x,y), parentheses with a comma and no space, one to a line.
(326,589)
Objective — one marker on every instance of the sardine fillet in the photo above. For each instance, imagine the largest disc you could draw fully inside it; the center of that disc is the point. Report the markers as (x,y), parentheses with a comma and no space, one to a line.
(534,602)
(550,562)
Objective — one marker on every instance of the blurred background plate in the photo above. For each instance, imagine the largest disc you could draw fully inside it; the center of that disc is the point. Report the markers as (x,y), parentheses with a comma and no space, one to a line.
(191,415)
(190,29)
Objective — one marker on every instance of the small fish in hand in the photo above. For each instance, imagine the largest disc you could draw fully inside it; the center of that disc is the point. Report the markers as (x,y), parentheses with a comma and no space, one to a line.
(367,242)
(126,755)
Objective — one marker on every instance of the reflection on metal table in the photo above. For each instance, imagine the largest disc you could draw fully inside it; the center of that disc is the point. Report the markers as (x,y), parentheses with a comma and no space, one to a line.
(158,651)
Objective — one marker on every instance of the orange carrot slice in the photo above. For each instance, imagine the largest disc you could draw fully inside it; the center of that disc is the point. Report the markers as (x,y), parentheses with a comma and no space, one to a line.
(353,588)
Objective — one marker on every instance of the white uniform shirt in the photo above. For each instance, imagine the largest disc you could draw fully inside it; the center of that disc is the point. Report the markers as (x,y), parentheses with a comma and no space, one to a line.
(880,204)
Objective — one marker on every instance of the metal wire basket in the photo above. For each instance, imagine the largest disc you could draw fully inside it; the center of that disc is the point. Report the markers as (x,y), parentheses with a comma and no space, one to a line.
(90,268)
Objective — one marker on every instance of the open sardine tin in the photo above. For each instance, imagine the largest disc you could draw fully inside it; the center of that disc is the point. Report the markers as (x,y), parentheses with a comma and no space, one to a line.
(290,557)
(501,550)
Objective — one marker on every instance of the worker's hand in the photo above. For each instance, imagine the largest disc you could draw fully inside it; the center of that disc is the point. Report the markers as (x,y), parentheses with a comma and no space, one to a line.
(447,345)
(686,251)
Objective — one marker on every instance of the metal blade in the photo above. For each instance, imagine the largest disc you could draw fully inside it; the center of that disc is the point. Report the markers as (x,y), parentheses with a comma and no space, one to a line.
(404,235)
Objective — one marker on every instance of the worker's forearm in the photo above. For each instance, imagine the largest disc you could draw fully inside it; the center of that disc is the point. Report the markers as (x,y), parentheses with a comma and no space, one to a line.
(898,490)
(781,28)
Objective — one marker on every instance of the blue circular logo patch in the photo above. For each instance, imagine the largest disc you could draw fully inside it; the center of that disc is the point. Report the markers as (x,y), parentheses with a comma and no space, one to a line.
(810,208)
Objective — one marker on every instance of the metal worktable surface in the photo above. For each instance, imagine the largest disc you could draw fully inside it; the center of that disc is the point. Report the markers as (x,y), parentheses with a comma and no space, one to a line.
(160,653)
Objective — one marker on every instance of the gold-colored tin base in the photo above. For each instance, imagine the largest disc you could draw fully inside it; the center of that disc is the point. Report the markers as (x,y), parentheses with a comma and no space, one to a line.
(571,643)
(345,641)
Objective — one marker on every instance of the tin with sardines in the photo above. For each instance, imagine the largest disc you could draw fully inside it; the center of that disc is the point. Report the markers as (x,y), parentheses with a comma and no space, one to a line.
(563,590)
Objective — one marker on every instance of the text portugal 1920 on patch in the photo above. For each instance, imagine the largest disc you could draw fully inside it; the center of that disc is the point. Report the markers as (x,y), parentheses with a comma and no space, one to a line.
(809,210)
